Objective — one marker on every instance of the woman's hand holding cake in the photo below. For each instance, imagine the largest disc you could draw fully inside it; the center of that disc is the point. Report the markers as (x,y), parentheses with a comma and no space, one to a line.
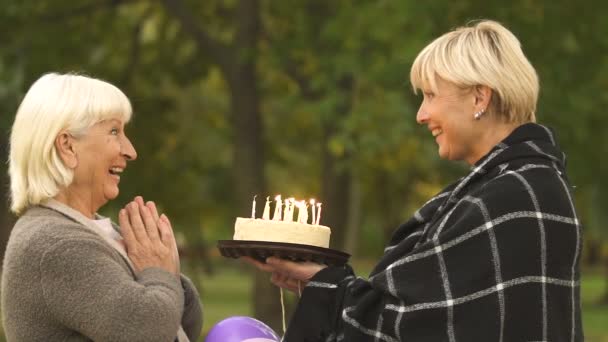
(287,274)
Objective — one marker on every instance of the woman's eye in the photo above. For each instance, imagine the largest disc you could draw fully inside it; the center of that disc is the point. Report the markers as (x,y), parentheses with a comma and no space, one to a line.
(114,131)
(429,95)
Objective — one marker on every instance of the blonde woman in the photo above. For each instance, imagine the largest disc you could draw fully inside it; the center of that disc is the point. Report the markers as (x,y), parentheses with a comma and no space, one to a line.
(68,273)
(492,257)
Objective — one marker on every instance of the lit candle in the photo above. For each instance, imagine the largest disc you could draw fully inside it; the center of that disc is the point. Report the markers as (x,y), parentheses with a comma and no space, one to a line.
(291,205)
(266,214)
(277,208)
(253,208)
(314,216)
(286,210)
(300,213)
(318,214)
(305,211)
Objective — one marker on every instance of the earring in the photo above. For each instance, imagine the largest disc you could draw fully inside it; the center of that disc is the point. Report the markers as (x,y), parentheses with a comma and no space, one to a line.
(478,115)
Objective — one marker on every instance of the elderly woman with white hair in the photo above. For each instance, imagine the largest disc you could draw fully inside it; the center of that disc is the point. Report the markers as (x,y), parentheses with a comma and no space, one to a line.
(70,274)
(492,257)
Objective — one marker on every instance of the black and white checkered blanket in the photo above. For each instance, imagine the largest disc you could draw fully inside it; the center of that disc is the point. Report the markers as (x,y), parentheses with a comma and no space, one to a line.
(493,257)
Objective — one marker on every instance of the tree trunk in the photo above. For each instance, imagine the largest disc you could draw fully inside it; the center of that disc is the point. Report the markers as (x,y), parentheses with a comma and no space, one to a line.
(353,220)
(248,148)
(249,177)
(238,64)
(594,252)
(336,176)
(335,196)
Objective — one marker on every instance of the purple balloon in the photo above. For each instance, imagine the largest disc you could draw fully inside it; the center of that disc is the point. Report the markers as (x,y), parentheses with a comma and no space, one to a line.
(241,329)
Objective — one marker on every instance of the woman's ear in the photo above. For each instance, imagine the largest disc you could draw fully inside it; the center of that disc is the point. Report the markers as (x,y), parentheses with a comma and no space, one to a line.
(64,143)
(483,96)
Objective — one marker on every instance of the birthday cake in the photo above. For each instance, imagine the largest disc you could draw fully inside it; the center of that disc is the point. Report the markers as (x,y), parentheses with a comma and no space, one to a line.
(282,227)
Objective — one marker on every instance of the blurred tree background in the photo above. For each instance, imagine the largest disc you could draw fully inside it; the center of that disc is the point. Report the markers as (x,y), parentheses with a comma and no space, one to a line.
(310,98)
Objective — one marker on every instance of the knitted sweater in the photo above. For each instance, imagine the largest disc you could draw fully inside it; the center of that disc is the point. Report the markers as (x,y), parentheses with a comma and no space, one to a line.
(63,281)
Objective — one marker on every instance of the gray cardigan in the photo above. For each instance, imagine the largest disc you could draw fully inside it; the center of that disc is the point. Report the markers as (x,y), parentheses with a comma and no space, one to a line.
(63,281)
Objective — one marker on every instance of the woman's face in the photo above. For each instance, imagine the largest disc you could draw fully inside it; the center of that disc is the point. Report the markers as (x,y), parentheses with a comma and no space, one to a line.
(102,156)
(448,114)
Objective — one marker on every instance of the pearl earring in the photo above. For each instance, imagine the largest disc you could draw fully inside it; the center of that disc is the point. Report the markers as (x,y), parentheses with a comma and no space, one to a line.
(478,115)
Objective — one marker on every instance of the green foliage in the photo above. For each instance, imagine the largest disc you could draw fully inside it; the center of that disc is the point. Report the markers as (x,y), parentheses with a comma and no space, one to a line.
(332,76)
(340,64)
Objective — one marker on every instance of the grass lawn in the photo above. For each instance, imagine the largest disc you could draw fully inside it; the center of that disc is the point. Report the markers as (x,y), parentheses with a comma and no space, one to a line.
(228,293)
(595,317)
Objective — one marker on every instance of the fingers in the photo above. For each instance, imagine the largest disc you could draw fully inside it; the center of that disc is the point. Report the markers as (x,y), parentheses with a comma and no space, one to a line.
(149,238)
(298,271)
(145,222)
(144,215)
(287,274)
(149,221)
(166,222)
(125,228)
(287,267)
(302,271)
(137,225)
(166,232)
(152,207)
(285,282)
(278,279)
(257,264)
(282,263)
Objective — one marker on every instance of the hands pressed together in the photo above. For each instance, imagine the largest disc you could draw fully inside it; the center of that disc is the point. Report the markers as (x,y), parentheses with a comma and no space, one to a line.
(287,274)
(149,242)
(148,237)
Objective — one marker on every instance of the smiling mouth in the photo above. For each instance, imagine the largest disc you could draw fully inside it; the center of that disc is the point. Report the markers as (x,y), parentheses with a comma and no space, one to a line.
(436,132)
(116,171)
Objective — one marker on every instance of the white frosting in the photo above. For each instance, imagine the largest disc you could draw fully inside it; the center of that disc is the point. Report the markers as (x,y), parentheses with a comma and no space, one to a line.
(281,231)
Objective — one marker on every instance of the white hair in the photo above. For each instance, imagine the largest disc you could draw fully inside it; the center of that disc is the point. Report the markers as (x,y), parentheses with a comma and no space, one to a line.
(53,104)
(485,54)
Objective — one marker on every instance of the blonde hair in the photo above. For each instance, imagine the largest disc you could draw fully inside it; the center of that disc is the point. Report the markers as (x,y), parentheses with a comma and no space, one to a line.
(55,103)
(488,54)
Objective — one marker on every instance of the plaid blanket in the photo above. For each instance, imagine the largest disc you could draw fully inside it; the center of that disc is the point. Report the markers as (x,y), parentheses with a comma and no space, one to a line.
(493,257)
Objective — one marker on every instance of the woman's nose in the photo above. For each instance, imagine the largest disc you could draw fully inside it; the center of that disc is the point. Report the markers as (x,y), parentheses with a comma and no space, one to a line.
(422,116)
(128,150)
